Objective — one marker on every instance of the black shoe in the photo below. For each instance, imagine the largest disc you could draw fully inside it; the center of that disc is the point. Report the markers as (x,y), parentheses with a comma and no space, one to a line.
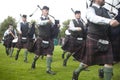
(33,65)
(75,76)
(101,73)
(50,72)
(16,57)
(65,62)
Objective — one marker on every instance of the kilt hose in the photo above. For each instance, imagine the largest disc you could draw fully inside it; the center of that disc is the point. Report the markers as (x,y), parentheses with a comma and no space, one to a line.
(39,50)
(93,56)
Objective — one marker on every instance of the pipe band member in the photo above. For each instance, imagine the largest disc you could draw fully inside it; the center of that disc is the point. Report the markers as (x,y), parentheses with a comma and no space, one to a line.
(98,47)
(75,40)
(9,35)
(26,34)
(44,43)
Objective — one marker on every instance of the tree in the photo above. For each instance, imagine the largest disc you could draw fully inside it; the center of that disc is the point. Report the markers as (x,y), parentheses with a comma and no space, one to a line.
(63,29)
(5,23)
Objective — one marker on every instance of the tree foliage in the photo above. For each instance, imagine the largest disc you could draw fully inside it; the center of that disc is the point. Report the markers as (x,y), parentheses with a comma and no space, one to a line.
(5,23)
(64,27)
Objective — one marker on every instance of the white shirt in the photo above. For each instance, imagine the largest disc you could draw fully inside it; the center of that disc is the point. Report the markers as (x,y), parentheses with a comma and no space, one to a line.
(7,32)
(72,26)
(92,17)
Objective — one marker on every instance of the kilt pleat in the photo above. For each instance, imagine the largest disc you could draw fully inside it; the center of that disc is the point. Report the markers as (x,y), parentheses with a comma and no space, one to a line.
(116,48)
(43,51)
(94,57)
(70,45)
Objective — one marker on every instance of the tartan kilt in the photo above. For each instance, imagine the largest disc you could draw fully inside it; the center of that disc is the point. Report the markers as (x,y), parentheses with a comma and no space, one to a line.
(116,48)
(80,53)
(30,44)
(94,57)
(66,43)
(8,43)
(115,40)
(13,45)
(39,50)
(21,44)
(70,44)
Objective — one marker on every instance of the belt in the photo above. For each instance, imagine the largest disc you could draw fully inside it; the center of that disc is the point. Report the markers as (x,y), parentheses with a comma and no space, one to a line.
(91,38)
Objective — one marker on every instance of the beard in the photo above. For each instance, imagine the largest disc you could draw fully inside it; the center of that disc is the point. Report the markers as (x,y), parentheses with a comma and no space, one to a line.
(102,4)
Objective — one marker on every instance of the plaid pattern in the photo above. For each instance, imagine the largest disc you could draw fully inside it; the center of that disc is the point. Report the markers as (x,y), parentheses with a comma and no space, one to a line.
(92,56)
(43,51)
(80,53)
(115,40)
(8,41)
(70,45)
(30,44)
(65,46)
(21,45)
(26,45)
(116,48)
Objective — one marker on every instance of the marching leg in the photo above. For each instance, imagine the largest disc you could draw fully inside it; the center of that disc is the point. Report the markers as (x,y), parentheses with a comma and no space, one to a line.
(34,62)
(48,62)
(67,57)
(11,51)
(77,71)
(101,73)
(108,71)
(63,54)
(7,51)
(25,55)
(17,54)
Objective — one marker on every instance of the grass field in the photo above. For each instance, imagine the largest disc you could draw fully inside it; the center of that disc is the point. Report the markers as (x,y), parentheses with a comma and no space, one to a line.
(18,70)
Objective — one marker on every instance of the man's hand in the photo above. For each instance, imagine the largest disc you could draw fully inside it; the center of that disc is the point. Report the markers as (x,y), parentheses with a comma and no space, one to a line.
(20,32)
(49,21)
(10,32)
(79,29)
(114,23)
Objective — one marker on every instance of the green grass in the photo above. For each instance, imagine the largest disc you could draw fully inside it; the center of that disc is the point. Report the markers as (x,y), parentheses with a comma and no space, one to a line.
(18,70)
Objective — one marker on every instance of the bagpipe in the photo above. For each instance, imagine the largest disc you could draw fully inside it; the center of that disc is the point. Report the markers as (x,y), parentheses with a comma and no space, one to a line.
(55,28)
(115,31)
(116,16)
